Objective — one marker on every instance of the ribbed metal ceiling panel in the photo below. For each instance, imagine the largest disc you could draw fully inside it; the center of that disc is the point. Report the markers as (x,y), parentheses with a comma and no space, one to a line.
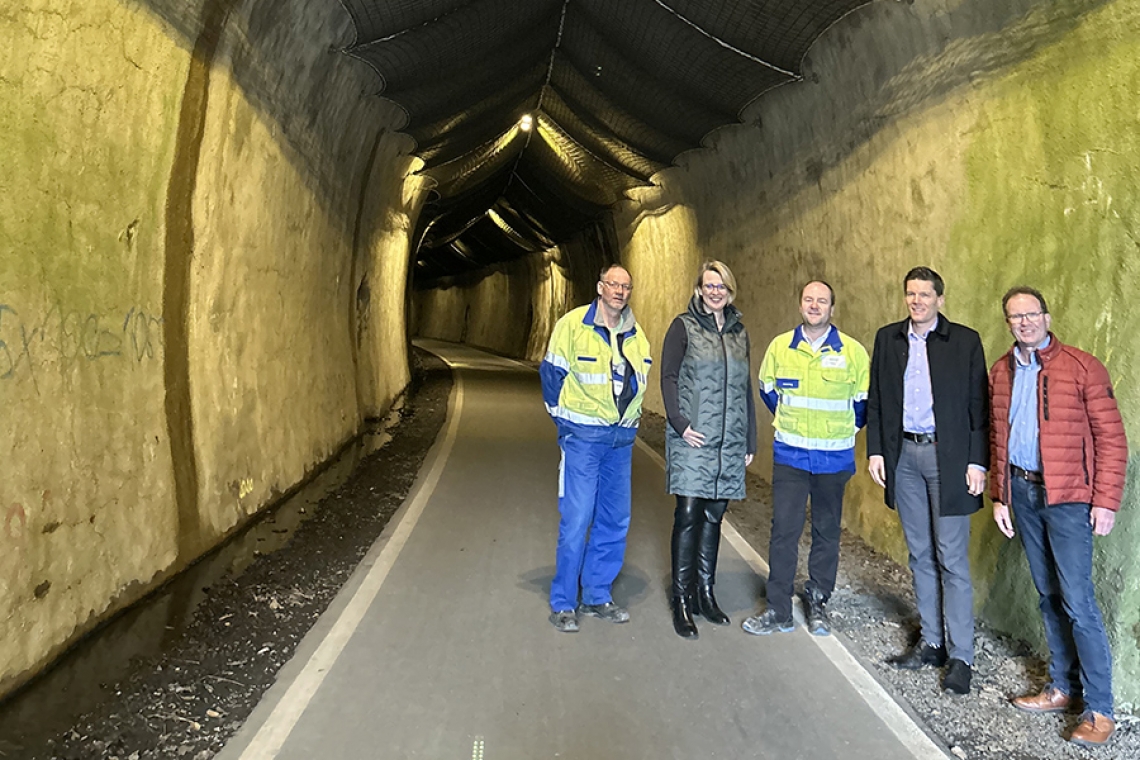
(614,90)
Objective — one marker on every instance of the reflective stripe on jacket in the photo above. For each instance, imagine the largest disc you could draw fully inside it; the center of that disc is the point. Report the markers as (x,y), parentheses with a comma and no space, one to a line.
(818,399)
(577,376)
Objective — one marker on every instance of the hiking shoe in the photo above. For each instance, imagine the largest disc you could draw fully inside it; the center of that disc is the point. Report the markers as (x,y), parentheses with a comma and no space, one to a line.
(815,612)
(762,625)
(565,621)
(608,611)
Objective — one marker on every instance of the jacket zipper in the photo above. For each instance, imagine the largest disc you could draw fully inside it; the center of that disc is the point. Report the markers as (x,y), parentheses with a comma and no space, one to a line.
(723,418)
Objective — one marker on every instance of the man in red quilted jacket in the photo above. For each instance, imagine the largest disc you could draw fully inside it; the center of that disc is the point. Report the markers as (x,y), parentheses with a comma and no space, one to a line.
(1059,456)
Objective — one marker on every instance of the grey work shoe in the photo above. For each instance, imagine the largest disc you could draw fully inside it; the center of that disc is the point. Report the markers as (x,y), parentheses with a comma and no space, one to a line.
(608,611)
(815,611)
(762,625)
(565,621)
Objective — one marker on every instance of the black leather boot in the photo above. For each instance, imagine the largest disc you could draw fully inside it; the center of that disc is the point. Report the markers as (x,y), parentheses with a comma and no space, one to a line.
(708,547)
(686,533)
(706,604)
(683,617)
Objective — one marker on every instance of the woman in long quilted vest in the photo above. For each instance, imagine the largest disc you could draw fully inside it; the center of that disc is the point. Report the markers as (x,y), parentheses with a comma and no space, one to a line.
(710,436)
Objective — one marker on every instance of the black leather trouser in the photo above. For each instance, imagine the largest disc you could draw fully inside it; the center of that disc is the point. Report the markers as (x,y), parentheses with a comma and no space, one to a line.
(696,541)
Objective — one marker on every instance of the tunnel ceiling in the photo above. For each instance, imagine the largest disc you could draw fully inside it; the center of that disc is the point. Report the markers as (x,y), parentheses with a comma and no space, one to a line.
(614,91)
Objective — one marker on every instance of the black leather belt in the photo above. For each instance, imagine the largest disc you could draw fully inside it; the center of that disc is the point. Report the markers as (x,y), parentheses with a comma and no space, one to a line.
(1032,477)
(920,437)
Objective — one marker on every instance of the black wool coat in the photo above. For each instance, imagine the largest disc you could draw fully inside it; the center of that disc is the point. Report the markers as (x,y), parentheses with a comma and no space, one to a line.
(959,384)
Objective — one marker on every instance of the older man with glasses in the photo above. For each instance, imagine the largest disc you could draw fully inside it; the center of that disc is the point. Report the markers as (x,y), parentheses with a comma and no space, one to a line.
(593,381)
(1059,457)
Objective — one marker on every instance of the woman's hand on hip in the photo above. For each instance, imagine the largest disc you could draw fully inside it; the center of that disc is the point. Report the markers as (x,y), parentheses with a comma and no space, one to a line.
(693,438)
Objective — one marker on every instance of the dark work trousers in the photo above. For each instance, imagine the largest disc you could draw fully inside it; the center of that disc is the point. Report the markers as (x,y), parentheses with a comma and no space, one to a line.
(939,553)
(791,488)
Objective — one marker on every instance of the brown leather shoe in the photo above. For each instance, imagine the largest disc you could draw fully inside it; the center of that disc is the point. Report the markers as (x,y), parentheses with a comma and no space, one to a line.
(1050,700)
(1094,730)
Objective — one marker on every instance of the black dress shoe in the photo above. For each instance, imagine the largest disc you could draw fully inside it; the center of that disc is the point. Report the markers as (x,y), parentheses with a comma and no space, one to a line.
(683,617)
(921,656)
(957,678)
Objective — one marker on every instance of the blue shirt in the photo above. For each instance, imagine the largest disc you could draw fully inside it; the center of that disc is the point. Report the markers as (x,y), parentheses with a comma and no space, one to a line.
(1024,451)
(918,398)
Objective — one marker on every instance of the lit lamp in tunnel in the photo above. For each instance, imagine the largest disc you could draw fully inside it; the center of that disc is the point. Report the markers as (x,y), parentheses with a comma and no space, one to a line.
(526,122)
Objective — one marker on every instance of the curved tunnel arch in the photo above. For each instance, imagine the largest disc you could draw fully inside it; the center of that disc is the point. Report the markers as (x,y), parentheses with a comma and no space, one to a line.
(991,140)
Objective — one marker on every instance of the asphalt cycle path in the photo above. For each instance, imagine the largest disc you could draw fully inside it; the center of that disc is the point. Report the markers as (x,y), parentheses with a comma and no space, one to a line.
(439,647)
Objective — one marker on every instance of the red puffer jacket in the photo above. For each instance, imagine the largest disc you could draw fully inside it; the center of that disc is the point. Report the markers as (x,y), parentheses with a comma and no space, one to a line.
(1084,451)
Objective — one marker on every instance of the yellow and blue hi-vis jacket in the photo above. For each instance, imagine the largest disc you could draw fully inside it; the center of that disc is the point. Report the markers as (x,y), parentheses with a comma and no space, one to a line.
(819,399)
(578,376)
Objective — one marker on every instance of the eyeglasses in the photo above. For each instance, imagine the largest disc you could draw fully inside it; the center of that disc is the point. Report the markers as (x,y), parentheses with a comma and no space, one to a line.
(715,287)
(627,287)
(1029,316)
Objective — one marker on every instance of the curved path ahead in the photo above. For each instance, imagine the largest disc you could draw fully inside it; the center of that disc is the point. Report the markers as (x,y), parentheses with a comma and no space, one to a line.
(440,648)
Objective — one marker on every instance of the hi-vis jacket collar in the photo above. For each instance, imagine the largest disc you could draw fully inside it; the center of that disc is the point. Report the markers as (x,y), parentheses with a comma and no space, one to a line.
(833,342)
(594,319)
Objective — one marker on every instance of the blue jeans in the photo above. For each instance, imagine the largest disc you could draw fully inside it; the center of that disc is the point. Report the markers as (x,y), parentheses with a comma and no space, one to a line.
(594,501)
(1058,544)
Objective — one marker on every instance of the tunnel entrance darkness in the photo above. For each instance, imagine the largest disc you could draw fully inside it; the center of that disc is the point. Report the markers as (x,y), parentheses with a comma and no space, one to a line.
(610,93)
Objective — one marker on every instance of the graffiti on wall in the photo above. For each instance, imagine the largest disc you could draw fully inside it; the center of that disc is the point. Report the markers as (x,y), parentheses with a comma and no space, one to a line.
(58,338)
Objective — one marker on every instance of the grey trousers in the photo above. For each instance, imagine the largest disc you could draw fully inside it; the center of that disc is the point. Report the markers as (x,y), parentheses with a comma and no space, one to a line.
(939,553)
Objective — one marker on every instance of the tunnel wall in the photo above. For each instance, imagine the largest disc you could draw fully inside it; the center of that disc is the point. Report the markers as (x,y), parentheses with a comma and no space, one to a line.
(203,261)
(511,309)
(994,141)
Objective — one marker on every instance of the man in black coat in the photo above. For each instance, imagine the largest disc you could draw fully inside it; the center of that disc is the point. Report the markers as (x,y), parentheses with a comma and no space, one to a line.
(928,446)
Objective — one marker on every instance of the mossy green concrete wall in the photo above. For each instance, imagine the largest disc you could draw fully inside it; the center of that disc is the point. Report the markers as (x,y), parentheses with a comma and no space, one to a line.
(994,141)
(203,264)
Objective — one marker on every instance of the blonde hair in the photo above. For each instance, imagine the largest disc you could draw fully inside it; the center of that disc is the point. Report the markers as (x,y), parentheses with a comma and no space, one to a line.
(725,273)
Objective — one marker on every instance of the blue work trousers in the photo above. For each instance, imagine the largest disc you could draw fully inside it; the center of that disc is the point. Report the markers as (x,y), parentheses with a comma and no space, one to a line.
(1058,543)
(594,501)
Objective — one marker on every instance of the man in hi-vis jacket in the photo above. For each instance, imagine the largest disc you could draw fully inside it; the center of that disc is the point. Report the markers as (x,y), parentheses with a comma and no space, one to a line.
(593,380)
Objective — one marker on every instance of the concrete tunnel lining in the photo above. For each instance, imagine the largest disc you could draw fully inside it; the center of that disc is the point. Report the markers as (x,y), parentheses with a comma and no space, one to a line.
(219,291)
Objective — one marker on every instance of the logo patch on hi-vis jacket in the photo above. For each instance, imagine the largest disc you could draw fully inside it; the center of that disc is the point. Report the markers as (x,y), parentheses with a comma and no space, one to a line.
(787,382)
(833,361)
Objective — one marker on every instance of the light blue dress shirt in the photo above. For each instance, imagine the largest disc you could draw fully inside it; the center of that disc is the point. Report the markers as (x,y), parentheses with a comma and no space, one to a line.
(918,398)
